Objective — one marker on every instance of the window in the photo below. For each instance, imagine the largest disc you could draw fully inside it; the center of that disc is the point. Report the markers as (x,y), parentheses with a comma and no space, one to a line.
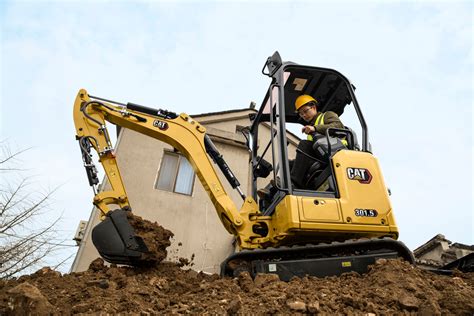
(176,174)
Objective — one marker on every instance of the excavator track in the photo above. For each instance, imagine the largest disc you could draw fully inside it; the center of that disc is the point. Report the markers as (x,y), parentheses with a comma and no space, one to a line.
(324,259)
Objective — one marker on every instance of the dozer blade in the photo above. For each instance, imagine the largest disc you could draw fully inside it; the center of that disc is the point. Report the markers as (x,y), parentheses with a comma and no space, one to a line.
(116,241)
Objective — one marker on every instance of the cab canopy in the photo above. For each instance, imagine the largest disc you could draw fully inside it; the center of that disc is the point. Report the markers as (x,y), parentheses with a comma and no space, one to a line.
(329,87)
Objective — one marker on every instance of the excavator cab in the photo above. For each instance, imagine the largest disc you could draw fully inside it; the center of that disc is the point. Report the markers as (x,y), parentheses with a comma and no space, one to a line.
(333,92)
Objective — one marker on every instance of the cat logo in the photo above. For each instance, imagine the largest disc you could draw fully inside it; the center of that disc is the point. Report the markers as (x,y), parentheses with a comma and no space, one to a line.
(360,174)
(161,125)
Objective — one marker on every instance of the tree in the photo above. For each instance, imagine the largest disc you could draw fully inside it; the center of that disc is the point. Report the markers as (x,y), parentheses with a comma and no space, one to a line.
(26,240)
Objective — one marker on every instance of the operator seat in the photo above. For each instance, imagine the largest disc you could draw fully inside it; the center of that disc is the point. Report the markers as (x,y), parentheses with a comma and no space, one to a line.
(320,171)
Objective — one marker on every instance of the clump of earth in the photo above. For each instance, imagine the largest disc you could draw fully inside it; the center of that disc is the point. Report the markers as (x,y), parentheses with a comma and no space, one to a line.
(389,287)
(155,237)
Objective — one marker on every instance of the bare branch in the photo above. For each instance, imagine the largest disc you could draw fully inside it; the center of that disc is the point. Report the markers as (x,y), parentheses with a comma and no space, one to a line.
(20,217)
(6,205)
(11,156)
(25,238)
(22,264)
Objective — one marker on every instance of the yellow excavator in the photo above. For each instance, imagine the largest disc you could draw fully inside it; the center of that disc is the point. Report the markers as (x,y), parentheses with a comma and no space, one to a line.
(341,221)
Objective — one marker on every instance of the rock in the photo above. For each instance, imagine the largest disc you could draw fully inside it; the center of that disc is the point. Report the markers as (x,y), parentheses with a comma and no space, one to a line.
(411,287)
(439,285)
(349,275)
(261,280)
(313,307)
(48,271)
(192,274)
(114,272)
(370,307)
(348,300)
(153,281)
(459,282)
(81,308)
(204,285)
(381,261)
(161,304)
(97,265)
(297,306)
(245,281)
(103,284)
(182,308)
(26,298)
(234,306)
(429,308)
(160,283)
(408,302)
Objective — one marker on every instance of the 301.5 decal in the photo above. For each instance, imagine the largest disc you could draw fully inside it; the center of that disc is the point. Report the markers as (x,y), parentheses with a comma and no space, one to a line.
(365,212)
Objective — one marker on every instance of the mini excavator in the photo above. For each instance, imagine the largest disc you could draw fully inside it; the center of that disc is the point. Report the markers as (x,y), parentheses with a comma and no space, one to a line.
(341,221)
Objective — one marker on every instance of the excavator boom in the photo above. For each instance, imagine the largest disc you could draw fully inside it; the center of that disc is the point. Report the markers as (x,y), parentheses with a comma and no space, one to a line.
(114,237)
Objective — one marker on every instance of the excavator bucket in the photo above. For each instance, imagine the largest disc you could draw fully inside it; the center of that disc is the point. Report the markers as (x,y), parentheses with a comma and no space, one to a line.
(116,241)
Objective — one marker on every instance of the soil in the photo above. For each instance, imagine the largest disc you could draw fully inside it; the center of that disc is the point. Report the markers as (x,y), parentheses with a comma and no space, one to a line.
(390,287)
(155,237)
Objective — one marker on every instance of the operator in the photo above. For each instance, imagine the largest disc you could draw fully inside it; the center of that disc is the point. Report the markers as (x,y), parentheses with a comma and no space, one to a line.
(316,126)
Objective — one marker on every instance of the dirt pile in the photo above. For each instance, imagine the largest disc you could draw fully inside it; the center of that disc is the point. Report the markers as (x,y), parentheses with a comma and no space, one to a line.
(389,287)
(155,237)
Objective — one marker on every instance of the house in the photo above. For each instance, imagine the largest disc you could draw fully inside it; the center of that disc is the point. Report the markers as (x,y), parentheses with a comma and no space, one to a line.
(161,186)
(438,251)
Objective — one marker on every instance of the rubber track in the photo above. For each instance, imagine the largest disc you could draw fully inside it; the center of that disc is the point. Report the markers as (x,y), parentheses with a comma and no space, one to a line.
(333,249)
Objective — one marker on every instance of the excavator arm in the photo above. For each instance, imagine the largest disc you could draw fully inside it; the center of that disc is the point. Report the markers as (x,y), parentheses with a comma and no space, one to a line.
(114,237)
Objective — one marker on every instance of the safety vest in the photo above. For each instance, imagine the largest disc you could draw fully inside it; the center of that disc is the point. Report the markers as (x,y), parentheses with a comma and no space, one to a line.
(320,121)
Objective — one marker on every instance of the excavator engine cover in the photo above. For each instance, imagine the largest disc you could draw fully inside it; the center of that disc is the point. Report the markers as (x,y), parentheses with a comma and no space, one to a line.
(116,240)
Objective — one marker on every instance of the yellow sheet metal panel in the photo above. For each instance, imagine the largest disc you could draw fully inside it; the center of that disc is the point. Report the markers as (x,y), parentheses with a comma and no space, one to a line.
(286,216)
(319,209)
(363,195)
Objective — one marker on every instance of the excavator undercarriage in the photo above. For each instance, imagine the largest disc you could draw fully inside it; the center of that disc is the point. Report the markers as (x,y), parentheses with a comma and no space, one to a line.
(320,260)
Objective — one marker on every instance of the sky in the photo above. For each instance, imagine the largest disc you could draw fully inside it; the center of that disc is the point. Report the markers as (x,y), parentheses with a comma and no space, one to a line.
(411,62)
